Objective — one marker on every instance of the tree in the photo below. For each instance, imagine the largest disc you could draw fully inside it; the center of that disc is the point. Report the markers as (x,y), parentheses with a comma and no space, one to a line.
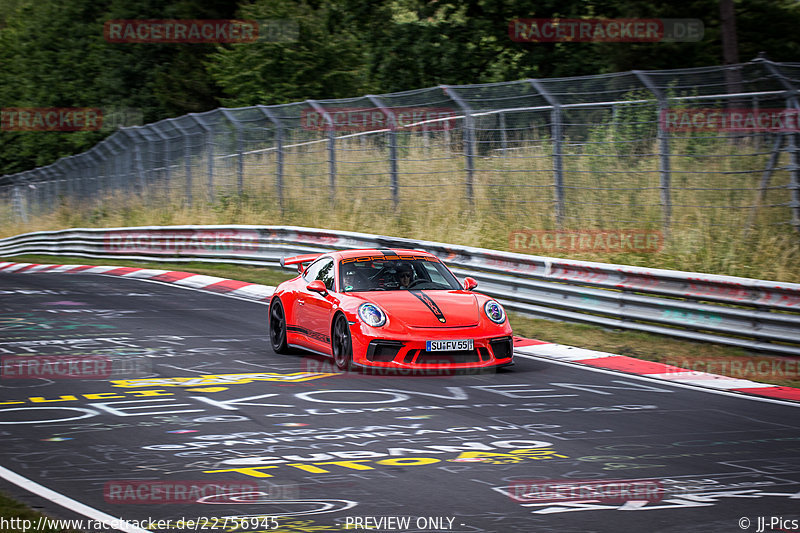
(318,56)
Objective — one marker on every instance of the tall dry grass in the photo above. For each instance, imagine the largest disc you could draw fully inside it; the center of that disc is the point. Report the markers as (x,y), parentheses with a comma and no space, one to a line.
(718,224)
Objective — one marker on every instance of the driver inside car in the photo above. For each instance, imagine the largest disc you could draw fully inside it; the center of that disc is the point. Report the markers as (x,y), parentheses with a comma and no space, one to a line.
(405,275)
(349,281)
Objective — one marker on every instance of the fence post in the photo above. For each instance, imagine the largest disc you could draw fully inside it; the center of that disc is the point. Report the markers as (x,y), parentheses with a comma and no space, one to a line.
(392,120)
(105,155)
(50,188)
(794,180)
(93,165)
(239,150)
(331,146)
(137,158)
(130,182)
(164,157)
(146,165)
(187,158)
(69,180)
(209,153)
(503,134)
(118,170)
(663,149)
(469,139)
(17,201)
(39,191)
(82,185)
(279,148)
(557,135)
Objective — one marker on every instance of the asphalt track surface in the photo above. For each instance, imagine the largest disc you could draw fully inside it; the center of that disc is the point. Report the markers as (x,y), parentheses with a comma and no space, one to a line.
(282,436)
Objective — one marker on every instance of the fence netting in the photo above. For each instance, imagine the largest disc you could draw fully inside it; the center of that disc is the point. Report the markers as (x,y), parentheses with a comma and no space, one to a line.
(615,150)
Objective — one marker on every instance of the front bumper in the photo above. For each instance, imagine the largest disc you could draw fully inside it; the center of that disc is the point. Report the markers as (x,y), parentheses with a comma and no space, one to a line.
(487,352)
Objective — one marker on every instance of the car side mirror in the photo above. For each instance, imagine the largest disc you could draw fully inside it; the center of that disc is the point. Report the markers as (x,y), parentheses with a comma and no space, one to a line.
(317,286)
(470,283)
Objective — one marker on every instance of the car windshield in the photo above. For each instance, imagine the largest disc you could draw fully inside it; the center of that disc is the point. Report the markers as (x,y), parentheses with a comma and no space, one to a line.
(370,273)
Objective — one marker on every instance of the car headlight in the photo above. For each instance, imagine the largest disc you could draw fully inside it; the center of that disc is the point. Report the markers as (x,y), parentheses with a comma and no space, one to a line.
(372,315)
(494,311)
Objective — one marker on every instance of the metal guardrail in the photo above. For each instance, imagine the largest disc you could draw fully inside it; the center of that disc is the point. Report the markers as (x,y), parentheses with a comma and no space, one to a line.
(749,313)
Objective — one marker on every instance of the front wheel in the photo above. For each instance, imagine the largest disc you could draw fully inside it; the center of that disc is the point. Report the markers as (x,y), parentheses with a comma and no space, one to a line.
(277,327)
(342,344)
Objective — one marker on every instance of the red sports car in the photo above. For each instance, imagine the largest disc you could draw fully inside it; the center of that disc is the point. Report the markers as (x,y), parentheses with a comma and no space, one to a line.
(395,309)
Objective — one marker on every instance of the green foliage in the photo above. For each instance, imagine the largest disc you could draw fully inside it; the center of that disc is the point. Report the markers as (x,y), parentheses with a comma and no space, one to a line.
(324,60)
(52,53)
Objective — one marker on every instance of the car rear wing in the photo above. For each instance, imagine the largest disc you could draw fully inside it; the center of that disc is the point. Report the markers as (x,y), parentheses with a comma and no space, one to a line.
(299,260)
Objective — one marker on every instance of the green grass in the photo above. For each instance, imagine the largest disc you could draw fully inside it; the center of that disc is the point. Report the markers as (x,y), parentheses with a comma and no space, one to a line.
(13,510)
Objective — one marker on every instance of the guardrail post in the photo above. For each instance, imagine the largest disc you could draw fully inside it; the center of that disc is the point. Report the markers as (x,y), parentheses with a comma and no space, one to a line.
(239,150)
(279,148)
(557,136)
(331,146)
(469,142)
(663,149)
(392,119)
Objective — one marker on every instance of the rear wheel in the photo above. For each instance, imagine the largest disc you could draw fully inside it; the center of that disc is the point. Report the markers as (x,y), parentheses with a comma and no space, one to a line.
(277,327)
(342,344)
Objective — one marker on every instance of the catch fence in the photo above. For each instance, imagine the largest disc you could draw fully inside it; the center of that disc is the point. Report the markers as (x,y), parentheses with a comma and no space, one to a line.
(645,149)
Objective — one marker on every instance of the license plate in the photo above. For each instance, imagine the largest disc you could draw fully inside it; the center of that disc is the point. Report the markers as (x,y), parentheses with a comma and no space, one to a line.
(449,346)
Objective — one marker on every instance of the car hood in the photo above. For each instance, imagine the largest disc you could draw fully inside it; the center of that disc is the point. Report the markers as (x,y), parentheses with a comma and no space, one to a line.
(428,309)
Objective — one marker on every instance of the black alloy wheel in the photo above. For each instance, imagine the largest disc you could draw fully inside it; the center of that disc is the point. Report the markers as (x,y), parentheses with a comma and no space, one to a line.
(277,327)
(342,344)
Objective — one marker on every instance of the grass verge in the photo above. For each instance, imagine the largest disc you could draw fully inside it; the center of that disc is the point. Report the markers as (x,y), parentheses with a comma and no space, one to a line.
(18,515)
